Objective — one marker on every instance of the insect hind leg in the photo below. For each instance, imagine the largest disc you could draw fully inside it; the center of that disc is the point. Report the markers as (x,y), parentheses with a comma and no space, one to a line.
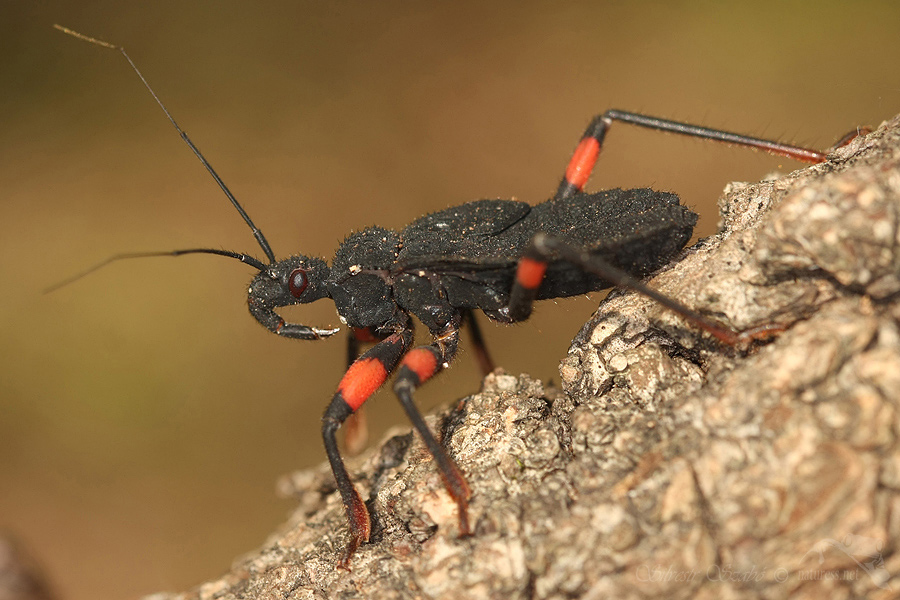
(588,150)
(543,248)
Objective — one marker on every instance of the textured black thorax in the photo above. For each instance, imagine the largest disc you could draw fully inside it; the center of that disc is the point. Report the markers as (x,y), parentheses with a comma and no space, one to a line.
(464,257)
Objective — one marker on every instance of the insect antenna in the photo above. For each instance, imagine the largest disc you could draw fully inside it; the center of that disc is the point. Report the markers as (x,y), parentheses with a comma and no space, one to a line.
(260,238)
(244,258)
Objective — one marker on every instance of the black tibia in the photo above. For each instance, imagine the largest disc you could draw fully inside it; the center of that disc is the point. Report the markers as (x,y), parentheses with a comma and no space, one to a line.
(357,513)
(707,133)
(419,365)
(479,347)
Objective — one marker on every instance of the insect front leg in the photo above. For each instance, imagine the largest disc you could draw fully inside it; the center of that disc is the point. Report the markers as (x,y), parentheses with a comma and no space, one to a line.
(418,366)
(360,381)
(356,427)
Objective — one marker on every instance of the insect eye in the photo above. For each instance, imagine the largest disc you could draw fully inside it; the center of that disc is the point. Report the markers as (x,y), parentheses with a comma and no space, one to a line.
(297,282)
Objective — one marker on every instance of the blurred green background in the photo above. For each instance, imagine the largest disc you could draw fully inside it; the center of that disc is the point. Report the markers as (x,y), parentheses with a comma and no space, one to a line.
(144,415)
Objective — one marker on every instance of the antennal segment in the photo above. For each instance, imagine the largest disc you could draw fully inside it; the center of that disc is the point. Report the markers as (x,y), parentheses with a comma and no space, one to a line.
(260,238)
(244,258)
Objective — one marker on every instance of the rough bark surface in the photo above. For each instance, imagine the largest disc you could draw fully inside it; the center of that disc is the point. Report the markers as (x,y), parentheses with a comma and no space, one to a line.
(668,465)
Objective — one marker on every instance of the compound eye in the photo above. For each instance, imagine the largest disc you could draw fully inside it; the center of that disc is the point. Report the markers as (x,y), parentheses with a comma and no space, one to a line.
(297,282)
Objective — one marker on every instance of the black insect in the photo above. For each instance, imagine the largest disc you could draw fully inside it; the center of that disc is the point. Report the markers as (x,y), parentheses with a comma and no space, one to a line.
(496,256)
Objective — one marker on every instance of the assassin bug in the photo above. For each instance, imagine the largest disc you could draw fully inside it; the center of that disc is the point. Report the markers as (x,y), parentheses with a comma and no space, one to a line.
(496,256)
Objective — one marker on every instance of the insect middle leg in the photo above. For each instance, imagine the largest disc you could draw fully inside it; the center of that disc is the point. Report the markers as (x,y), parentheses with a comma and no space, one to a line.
(418,366)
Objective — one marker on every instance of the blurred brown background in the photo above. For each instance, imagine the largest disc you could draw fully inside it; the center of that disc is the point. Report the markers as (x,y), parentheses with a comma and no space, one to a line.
(144,416)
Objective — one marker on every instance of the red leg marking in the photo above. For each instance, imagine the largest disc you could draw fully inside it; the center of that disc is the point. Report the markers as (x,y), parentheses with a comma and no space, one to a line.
(365,335)
(530,273)
(583,161)
(422,362)
(361,380)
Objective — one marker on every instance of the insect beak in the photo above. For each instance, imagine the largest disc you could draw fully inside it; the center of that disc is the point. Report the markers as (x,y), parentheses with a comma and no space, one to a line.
(271,320)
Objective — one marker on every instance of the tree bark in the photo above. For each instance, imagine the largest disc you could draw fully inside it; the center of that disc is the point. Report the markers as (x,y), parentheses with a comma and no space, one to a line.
(667,465)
